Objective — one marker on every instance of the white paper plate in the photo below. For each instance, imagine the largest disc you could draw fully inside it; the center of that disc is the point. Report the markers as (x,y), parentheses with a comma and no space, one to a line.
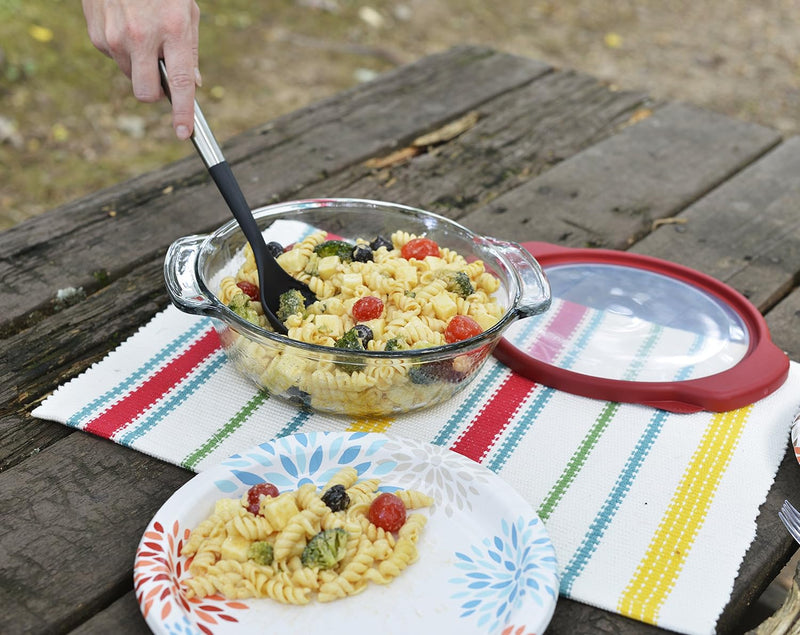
(486,564)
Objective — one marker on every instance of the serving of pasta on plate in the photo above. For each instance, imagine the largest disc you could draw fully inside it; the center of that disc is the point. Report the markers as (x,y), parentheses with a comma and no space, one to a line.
(306,543)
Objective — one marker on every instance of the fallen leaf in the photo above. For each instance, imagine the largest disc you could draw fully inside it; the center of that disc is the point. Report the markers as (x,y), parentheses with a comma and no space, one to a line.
(612,40)
(448,131)
(399,156)
(59,132)
(40,33)
(658,222)
(639,115)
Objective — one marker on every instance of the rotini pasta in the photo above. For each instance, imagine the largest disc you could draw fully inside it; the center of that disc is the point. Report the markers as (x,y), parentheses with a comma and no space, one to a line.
(305,544)
(413,301)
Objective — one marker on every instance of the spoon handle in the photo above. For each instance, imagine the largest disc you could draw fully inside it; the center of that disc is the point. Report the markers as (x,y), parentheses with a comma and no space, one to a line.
(220,171)
(202,137)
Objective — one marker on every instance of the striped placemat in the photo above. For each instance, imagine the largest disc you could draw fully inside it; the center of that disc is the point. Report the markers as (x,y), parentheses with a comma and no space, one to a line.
(634,499)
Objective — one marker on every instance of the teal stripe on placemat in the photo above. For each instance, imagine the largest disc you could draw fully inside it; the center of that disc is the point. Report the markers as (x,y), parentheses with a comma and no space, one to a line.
(88,412)
(622,486)
(479,391)
(529,415)
(187,388)
(295,424)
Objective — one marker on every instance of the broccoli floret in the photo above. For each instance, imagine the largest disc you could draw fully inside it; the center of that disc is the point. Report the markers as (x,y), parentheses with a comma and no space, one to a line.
(312,266)
(260,552)
(240,305)
(289,303)
(325,549)
(458,282)
(395,344)
(335,248)
(352,342)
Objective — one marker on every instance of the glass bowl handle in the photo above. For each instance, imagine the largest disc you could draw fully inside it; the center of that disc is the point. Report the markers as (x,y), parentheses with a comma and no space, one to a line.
(181,278)
(534,288)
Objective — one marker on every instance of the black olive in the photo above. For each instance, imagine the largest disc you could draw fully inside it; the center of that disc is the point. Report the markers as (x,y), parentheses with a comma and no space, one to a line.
(379,242)
(362,253)
(299,397)
(336,498)
(276,249)
(364,333)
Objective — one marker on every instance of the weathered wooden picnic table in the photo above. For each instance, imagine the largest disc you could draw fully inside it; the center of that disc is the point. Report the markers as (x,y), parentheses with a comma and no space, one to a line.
(508,146)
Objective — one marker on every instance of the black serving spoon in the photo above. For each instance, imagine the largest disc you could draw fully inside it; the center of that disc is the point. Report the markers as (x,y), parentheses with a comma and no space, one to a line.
(273,280)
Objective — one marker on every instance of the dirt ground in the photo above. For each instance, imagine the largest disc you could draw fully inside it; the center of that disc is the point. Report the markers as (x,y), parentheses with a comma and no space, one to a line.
(69,124)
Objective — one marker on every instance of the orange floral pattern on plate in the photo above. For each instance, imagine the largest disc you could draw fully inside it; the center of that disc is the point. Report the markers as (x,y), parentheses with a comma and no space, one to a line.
(158,572)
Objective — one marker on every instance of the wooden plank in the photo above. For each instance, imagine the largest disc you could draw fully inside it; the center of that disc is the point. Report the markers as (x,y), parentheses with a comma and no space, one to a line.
(516,137)
(123,616)
(610,194)
(770,551)
(36,360)
(759,252)
(784,325)
(98,239)
(560,114)
(69,541)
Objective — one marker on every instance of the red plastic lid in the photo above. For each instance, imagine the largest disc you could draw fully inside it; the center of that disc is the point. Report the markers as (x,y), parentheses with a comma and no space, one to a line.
(632,328)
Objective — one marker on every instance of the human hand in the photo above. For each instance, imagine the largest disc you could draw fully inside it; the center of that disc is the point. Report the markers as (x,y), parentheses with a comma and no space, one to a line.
(136,33)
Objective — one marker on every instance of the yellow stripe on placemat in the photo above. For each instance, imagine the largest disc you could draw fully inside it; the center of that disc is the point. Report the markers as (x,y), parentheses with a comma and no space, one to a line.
(370,425)
(658,571)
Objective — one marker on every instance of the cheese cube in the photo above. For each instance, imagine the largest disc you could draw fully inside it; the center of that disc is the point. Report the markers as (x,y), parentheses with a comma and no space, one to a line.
(351,280)
(327,266)
(279,510)
(234,548)
(444,306)
(406,273)
(330,325)
(485,320)
(293,261)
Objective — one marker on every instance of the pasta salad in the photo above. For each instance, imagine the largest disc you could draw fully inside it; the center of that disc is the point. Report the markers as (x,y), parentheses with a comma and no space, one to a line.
(404,293)
(305,544)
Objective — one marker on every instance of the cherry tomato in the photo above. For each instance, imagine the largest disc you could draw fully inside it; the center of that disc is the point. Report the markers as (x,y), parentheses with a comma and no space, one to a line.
(248,288)
(255,493)
(419,248)
(367,308)
(461,327)
(388,512)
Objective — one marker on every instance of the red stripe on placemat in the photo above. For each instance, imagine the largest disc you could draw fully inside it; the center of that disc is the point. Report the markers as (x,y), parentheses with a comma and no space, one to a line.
(120,414)
(494,417)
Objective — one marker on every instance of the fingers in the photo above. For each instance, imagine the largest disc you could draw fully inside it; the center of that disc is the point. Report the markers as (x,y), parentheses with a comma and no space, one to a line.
(181,77)
(180,51)
(136,33)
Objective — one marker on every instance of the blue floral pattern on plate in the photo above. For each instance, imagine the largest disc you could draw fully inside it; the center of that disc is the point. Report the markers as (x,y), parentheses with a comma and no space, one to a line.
(504,571)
